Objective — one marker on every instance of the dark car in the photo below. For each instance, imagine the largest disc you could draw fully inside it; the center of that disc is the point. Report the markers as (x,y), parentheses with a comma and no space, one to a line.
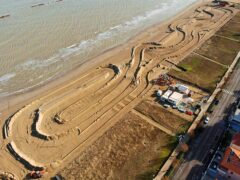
(216,102)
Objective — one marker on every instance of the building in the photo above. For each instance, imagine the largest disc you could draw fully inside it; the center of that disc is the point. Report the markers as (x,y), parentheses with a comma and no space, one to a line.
(166,95)
(175,98)
(235,121)
(182,89)
(213,167)
(236,116)
(230,165)
(159,93)
(235,144)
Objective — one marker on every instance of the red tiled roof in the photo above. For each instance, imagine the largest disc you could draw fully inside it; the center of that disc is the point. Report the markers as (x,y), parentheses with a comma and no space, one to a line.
(236,139)
(231,161)
(236,151)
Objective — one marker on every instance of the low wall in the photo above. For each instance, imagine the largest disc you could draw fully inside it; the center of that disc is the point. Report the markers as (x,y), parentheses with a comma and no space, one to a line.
(29,163)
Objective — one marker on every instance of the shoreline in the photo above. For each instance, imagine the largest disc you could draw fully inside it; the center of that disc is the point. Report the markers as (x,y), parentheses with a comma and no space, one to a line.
(10,104)
(84,104)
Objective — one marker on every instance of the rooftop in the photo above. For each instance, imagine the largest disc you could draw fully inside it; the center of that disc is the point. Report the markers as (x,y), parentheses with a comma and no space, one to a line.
(231,161)
(236,116)
(167,94)
(235,145)
(176,96)
(182,88)
(236,139)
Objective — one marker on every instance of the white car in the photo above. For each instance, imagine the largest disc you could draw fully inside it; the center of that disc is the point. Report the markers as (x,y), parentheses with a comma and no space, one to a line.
(181,109)
(206,120)
(166,106)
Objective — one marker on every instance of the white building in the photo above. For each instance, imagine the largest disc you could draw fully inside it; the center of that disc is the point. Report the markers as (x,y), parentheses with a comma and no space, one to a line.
(166,95)
(175,98)
(183,89)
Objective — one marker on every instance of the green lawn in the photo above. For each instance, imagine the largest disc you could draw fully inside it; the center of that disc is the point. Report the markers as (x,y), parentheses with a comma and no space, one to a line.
(230,30)
(220,49)
(200,72)
(164,117)
(157,163)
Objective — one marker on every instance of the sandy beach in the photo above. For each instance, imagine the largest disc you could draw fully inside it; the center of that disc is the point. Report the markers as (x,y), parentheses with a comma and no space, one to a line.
(11,103)
(81,105)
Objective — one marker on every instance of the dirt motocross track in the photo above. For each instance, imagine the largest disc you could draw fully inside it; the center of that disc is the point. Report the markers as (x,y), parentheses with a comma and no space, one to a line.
(52,130)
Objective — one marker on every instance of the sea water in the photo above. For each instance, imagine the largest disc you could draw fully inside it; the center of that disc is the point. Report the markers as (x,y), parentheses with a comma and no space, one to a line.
(39,43)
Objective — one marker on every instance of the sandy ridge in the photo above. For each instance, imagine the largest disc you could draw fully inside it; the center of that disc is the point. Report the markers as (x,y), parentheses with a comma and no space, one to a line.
(87,111)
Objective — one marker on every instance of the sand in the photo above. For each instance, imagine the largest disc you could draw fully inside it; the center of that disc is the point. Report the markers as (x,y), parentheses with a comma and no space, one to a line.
(132,142)
(52,125)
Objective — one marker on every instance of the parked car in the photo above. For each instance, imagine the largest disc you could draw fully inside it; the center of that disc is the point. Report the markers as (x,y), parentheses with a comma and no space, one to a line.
(197,111)
(158,93)
(189,113)
(218,156)
(166,105)
(181,109)
(206,120)
(216,102)
(211,108)
(174,107)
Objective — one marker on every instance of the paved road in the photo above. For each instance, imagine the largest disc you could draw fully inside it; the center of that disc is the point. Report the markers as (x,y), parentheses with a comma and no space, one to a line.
(197,159)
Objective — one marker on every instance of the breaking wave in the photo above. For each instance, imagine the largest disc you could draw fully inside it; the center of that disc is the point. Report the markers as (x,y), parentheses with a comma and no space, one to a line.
(87,45)
(118,31)
(6,77)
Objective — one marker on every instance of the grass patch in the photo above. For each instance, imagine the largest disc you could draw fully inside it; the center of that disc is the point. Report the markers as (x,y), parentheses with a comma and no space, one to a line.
(220,49)
(180,155)
(170,171)
(200,72)
(238,64)
(131,149)
(147,175)
(190,67)
(162,116)
(165,153)
(230,30)
(159,162)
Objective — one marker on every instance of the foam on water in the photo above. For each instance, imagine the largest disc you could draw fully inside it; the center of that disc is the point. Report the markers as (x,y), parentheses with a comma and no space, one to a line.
(78,48)
(6,77)
(117,31)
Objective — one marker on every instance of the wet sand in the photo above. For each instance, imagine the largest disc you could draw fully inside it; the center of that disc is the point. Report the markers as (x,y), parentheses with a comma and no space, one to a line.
(83,104)
(10,104)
